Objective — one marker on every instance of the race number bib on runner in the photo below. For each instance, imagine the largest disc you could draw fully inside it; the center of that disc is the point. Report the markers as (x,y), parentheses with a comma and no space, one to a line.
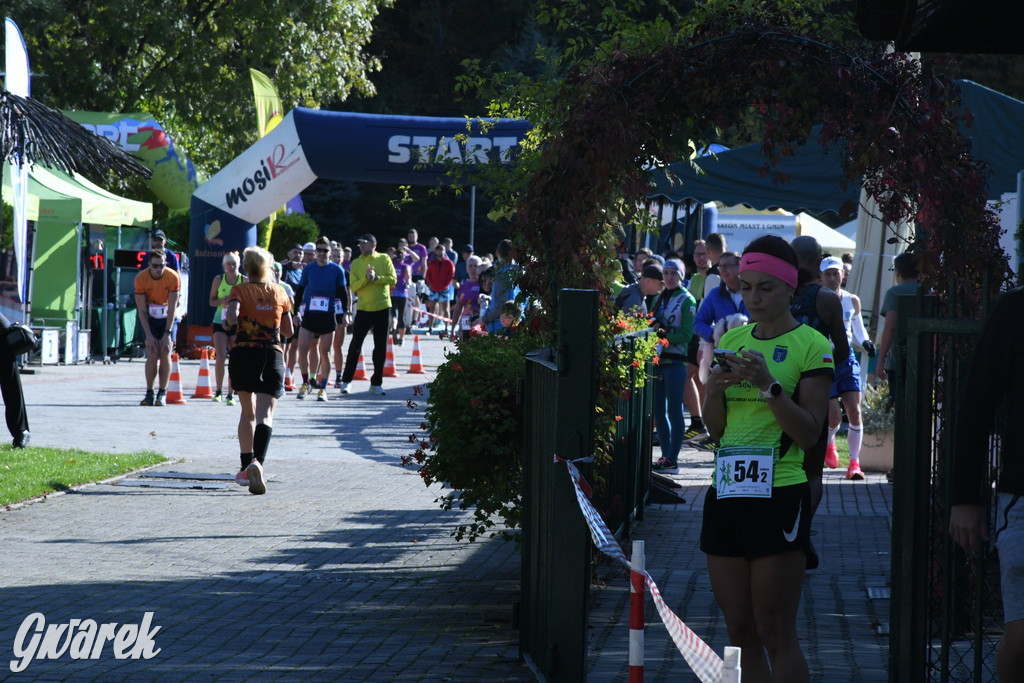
(744,472)
(157,311)
(338,307)
(320,304)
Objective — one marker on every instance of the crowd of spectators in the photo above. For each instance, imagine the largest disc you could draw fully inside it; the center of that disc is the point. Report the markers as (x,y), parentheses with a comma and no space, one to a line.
(436,289)
(758,347)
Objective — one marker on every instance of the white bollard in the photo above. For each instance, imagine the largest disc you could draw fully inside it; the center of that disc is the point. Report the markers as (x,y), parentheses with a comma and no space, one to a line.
(637,591)
(731,671)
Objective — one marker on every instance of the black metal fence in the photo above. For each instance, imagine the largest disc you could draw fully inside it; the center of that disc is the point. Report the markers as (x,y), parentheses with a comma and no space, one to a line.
(946,609)
(559,396)
(630,477)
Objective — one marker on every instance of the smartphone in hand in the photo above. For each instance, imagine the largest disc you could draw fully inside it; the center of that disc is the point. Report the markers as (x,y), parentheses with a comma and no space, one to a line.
(720,355)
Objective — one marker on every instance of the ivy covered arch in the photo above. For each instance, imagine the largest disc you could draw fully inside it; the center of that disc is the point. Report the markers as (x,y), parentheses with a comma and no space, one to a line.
(894,123)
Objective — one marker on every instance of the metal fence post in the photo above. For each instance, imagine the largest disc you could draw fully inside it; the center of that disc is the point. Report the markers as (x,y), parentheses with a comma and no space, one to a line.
(576,392)
(911,497)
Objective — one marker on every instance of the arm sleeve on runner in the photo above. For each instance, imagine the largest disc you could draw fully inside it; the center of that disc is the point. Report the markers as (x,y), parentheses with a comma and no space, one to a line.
(341,294)
(857,328)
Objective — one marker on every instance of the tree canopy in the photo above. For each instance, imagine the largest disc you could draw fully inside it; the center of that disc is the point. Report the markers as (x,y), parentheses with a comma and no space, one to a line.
(187,62)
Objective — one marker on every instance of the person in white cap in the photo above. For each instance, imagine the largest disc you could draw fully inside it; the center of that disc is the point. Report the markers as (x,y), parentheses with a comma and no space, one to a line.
(846,384)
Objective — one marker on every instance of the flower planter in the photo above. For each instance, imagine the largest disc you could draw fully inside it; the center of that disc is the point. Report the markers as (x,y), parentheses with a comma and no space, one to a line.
(876,452)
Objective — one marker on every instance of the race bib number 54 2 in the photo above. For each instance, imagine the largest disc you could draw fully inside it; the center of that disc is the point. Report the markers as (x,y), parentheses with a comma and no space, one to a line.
(744,472)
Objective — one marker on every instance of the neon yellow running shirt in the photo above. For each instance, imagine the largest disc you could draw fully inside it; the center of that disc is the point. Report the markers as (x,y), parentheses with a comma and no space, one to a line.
(801,352)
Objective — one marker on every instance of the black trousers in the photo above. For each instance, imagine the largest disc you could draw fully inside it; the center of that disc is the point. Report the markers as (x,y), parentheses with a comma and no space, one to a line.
(364,321)
(14,397)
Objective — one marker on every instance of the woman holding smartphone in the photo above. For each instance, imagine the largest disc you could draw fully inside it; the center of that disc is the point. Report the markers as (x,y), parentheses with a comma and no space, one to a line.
(767,399)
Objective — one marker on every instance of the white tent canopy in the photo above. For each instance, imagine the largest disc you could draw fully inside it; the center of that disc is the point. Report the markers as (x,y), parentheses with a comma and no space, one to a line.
(872,264)
(741,226)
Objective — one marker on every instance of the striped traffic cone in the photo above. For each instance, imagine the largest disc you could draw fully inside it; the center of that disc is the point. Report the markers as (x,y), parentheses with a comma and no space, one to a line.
(389,361)
(203,387)
(416,366)
(174,395)
(360,373)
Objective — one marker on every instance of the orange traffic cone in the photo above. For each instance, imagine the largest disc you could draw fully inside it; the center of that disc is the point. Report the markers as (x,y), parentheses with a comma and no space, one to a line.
(389,361)
(203,387)
(360,373)
(174,395)
(416,366)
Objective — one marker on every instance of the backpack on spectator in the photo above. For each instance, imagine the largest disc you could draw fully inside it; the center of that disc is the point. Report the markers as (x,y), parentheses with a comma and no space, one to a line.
(18,338)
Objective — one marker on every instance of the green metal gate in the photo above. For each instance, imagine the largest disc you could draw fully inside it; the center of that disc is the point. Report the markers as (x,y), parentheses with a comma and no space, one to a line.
(630,474)
(558,406)
(946,615)
(559,396)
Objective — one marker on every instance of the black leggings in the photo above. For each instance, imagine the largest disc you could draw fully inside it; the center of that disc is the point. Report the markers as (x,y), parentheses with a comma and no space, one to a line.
(365,321)
(14,398)
(398,308)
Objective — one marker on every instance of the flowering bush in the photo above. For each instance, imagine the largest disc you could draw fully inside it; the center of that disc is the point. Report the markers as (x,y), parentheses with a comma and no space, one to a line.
(473,432)
(877,411)
(622,368)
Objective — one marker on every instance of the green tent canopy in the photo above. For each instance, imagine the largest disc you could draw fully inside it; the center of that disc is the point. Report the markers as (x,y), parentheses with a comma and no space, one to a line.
(61,205)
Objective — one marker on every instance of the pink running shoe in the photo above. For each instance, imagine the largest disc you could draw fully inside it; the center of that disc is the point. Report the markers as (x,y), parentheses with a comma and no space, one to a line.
(257,484)
(853,471)
(831,457)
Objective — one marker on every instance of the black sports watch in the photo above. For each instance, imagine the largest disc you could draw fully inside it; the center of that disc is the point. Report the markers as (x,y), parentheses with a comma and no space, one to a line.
(774,390)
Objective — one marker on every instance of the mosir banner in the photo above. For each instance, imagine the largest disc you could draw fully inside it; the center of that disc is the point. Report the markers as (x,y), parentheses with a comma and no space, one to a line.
(310,144)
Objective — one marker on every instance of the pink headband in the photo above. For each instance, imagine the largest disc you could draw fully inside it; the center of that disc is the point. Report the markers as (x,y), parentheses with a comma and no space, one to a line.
(771,265)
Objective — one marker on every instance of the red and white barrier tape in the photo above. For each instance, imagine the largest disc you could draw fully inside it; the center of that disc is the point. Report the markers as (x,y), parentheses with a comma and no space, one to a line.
(701,659)
(434,315)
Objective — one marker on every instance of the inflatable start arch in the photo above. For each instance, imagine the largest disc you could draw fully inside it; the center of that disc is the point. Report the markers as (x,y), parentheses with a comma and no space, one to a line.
(310,144)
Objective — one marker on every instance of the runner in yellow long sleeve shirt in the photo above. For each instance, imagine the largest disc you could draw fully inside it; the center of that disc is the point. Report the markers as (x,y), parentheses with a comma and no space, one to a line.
(371,277)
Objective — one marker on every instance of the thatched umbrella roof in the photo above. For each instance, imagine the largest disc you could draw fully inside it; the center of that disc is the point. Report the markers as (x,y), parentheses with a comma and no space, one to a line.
(31,132)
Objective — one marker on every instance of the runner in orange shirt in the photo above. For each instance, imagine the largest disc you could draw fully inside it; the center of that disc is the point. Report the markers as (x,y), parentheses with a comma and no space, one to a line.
(156,295)
(262,310)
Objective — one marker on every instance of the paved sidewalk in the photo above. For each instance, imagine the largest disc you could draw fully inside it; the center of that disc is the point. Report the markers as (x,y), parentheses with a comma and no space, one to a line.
(839,620)
(346,569)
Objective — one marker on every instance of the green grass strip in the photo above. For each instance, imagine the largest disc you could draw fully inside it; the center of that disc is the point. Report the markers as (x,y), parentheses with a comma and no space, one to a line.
(31,472)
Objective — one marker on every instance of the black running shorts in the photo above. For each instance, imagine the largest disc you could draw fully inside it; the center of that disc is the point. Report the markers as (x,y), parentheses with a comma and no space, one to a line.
(757,527)
(319,322)
(257,369)
(158,327)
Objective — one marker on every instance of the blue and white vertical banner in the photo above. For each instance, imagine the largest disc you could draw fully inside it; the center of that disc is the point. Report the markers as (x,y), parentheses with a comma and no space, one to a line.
(17,82)
(225,209)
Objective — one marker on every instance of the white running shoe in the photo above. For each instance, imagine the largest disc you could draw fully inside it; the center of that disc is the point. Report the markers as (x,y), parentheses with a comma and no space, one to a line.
(344,387)
(255,473)
(242,478)
(378,391)
(321,395)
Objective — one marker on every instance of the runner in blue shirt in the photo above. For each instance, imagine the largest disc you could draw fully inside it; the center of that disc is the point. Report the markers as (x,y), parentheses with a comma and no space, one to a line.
(323,293)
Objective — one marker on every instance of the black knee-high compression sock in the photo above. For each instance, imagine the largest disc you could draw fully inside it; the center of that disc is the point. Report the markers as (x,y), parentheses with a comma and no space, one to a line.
(246,458)
(260,441)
